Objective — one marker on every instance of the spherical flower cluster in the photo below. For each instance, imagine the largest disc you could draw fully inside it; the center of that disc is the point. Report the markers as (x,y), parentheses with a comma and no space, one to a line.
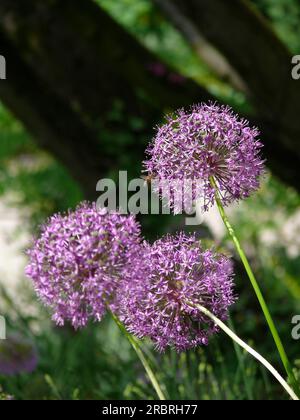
(17,355)
(78,261)
(208,142)
(174,275)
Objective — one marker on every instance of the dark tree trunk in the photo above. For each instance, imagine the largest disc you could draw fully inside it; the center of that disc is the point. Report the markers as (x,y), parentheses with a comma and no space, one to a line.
(55,126)
(263,64)
(68,66)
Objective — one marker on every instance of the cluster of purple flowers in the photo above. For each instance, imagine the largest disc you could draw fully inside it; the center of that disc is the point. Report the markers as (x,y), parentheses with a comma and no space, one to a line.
(89,260)
(159,302)
(207,142)
(79,260)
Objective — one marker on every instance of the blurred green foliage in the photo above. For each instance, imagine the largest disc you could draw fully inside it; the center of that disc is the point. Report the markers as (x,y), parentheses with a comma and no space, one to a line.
(97,363)
(284,15)
(31,178)
(143,20)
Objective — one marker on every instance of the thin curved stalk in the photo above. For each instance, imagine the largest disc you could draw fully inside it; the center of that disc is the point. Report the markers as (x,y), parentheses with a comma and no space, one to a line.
(135,345)
(255,285)
(249,349)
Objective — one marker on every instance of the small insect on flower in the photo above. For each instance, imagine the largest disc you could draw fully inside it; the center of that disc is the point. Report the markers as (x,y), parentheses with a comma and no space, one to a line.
(148,179)
(174,274)
(208,142)
(79,260)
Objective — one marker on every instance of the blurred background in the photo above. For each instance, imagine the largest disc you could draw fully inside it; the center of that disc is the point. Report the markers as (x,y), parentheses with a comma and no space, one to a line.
(86,83)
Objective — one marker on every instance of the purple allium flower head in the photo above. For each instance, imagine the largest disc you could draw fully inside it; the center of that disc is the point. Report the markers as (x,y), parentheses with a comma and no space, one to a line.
(78,261)
(207,141)
(17,355)
(177,273)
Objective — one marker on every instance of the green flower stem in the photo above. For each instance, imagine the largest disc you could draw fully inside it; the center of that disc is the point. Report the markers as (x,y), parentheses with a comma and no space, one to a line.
(257,290)
(249,349)
(135,344)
